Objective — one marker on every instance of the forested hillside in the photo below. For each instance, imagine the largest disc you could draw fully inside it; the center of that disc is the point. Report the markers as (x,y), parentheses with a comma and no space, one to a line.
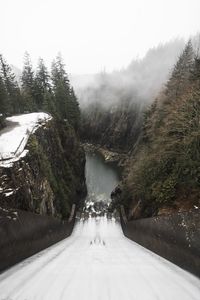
(54,161)
(114,103)
(163,174)
(38,91)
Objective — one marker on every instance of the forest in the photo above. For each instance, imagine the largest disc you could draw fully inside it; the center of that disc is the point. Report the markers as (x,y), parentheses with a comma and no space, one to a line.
(38,91)
(100,150)
(163,173)
(154,120)
(113,103)
(160,138)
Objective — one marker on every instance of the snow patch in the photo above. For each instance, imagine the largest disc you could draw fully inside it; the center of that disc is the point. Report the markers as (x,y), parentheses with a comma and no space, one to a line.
(9,193)
(13,141)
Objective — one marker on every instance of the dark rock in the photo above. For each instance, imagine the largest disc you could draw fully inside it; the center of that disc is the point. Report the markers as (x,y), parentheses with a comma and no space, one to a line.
(50,178)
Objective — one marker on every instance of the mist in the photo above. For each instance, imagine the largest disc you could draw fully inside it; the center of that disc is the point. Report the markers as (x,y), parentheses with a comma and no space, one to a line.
(114,104)
(140,82)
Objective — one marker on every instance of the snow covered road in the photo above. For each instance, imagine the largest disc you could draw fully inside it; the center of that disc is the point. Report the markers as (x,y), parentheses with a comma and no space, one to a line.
(97,263)
(13,138)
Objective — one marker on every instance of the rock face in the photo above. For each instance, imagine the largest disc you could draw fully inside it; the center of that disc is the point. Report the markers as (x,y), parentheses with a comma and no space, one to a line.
(116,129)
(50,178)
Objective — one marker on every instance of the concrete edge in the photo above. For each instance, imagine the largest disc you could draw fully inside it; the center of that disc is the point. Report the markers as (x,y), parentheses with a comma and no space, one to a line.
(30,234)
(175,237)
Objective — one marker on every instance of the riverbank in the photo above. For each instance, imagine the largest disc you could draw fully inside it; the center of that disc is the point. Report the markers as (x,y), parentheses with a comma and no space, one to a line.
(109,156)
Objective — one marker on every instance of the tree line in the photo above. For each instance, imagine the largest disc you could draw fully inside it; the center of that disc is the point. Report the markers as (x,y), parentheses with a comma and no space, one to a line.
(38,90)
(113,103)
(164,170)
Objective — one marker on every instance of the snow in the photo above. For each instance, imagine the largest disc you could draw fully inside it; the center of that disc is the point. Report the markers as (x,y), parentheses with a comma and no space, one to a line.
(9,193)
(13,139)
(97,263)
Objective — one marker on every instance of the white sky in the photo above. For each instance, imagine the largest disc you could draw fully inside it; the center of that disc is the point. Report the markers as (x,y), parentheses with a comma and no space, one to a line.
(92,34)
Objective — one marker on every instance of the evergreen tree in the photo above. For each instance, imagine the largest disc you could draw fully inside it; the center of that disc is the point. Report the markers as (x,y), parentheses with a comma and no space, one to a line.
(179,80)
(73,111)
(12,92)
(65,100)
(28,84)
(195,73)
(60,86)
(49,103)
(41,85)
(3,97)
(177,85)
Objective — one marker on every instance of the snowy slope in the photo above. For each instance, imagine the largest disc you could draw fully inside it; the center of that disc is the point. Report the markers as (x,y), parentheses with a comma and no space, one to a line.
(97,263)
(13,138)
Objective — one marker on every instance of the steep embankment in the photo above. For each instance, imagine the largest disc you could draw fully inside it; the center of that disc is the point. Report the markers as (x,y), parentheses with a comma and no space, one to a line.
(50,177)
(41,176)
(163,173)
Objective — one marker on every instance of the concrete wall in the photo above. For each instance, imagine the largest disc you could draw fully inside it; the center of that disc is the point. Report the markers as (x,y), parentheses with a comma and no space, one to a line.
(28,233)
(175,237)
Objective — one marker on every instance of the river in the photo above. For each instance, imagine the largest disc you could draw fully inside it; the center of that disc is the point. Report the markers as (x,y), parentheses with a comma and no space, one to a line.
(101,179)
(97,262)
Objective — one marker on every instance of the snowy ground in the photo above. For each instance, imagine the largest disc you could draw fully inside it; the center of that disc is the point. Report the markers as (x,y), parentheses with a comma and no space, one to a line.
(13,139)
(97,263)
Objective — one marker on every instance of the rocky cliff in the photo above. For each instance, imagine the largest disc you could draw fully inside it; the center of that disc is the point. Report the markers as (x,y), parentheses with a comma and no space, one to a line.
(116,128)
(50,178)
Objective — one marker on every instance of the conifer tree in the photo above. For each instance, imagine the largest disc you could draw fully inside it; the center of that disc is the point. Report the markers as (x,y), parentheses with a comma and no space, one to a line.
(65,99)
(41,85)
(73,110)
(49,103)
(28,84)
(3,97)
(12,92)
(179,80)
(195,73)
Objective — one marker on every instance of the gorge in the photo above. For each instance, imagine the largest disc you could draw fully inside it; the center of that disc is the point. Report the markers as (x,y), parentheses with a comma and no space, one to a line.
(97,259)
(76,179)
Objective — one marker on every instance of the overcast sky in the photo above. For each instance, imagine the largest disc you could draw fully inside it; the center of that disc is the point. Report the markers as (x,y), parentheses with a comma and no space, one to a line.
(92,34)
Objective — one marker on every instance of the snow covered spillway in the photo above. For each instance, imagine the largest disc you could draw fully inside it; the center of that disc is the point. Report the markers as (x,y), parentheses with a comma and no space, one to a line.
(14,137)
(97,263)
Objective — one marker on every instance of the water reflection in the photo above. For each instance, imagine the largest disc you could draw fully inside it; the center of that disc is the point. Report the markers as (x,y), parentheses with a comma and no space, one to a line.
(101,179)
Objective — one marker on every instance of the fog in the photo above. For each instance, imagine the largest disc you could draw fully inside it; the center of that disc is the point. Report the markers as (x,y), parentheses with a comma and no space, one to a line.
(139,82)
